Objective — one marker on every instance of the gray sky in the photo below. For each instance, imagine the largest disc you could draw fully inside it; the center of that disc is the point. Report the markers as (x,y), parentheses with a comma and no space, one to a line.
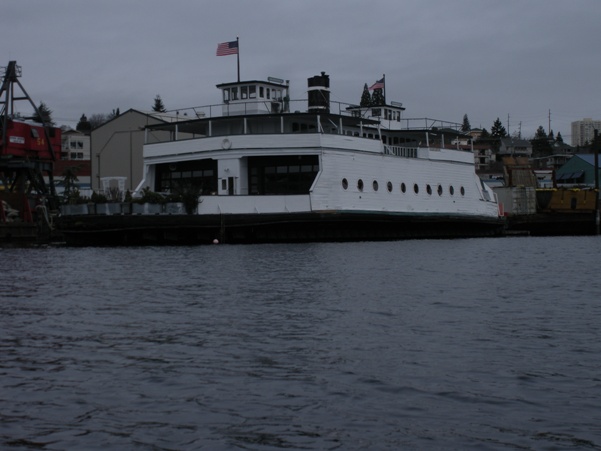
(442,58)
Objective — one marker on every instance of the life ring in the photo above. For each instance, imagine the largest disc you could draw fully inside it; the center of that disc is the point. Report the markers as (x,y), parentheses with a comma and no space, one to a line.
(226,144)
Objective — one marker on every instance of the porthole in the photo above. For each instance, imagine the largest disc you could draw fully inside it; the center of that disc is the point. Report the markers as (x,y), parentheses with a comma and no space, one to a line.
(451,190)
(439,190)
(389,187)
(415,188)
(403,188)
(375,185)
(360,185)
(344,183)
(429,189)
(462,190)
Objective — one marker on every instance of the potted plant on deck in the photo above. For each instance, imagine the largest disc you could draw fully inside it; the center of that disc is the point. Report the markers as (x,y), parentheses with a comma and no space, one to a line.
(149,203)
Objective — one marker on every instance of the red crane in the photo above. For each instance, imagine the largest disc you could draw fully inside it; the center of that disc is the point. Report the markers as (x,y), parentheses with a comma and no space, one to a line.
(27,151)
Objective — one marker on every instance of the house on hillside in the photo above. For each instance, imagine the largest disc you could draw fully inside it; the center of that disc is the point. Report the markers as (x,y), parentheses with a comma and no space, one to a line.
(578,171)
(514,147)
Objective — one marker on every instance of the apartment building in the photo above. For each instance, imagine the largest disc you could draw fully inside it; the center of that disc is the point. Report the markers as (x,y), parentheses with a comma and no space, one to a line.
(583,131)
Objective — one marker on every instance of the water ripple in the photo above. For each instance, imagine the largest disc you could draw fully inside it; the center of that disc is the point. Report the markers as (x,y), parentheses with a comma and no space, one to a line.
(459,344)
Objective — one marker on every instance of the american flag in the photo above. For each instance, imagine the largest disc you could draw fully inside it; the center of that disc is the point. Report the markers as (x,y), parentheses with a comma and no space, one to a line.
(377,85)
(227,48)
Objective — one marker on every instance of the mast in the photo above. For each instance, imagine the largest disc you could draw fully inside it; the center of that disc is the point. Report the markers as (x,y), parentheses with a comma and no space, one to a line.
(238,57)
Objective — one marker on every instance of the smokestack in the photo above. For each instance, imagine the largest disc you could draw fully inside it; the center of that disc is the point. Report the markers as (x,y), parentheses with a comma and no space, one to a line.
(319,93)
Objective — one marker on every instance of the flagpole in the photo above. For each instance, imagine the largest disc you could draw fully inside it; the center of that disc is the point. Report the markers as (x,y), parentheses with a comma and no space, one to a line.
(384,89)
(238,56)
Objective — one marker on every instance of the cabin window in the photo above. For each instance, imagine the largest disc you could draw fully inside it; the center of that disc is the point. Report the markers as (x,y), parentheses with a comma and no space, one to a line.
(389,187)
(375,185)
(429,189)
(415,188)
(345,184)
(252,92)
(226,95)
(462,191)
(34,133)
(244,92)
(439,190)
(360,185)
(261,92)
(451,190)
(267,91)
(201,173)
(282,174)
(234,95)
(403,188)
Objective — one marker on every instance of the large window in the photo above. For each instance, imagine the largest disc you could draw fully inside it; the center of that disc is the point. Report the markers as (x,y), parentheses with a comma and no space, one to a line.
(282,174)
(201,173)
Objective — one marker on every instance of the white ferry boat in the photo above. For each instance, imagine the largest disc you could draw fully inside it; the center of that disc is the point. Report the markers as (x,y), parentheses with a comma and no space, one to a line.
(270,169)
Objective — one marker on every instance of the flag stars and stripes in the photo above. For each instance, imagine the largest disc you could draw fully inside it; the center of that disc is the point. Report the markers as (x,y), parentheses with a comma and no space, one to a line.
(377,85)
(227,48)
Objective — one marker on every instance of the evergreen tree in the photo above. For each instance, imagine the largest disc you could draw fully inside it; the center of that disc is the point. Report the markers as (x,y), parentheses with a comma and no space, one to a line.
(540,144)
(84,125)
(540,133)
(365,97)
(44,116)
(377,98)
(559,138)
(497,130)
(466,127)
(160,108)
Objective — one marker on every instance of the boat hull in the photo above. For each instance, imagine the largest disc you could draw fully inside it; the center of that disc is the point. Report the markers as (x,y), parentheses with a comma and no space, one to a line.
(136,230)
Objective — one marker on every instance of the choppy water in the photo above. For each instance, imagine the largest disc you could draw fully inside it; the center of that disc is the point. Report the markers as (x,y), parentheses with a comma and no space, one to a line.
(490,344)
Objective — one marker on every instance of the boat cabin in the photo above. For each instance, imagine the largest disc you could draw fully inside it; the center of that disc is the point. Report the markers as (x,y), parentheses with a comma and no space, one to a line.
(254,97)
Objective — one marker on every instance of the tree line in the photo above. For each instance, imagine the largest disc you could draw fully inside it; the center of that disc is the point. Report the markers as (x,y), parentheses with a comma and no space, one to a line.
(87,124)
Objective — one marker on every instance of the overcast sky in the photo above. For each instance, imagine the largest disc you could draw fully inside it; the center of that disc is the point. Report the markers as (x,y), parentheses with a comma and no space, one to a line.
(512,59)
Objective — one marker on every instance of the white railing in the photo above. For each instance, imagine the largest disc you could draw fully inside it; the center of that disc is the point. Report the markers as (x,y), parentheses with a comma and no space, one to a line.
(407,152)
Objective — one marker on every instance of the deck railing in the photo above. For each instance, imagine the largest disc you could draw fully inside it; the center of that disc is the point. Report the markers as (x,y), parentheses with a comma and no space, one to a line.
(407,152)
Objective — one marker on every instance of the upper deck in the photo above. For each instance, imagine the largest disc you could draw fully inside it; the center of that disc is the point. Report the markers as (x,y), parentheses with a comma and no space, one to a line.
(264,108)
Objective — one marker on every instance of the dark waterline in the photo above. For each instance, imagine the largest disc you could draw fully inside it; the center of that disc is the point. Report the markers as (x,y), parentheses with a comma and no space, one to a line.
(442,344)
